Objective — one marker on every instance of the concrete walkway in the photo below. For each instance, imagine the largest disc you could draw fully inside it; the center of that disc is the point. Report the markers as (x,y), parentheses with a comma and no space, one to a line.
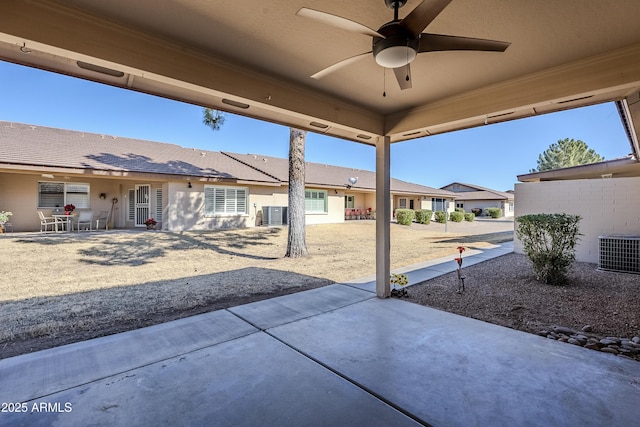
(333,356)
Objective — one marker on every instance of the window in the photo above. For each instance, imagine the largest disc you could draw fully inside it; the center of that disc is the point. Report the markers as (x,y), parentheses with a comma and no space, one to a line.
(437,204)
(131,207)
(402,203)
(315,201)
(158,216)
(349,202)
(58,194)
(460,205)
(225,200)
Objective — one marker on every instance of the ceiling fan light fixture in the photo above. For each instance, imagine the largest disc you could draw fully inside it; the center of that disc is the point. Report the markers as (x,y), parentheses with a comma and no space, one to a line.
(395,56)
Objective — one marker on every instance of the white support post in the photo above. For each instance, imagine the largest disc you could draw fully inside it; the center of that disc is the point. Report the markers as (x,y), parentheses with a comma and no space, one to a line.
(383,217)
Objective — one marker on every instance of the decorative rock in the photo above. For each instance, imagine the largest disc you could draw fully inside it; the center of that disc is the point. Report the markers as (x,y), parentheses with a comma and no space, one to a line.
(609,350)
(592,346)
(563,330)
(574,341)
(636,340)
(587,328)
(606,341)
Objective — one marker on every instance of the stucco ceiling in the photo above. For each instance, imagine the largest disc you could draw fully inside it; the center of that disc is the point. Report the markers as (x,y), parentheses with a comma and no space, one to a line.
(256,58)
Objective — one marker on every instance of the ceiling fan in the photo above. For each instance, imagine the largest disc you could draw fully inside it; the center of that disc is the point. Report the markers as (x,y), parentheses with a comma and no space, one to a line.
(397,43)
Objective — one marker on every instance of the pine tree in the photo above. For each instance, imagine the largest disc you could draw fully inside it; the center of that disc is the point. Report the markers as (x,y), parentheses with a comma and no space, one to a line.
(296,242)
(565,153)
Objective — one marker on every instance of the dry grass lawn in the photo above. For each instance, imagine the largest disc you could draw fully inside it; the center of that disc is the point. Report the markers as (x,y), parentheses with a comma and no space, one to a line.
(61,288)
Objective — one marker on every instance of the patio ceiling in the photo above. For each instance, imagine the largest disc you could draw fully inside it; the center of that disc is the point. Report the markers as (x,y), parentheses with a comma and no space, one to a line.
(230,54)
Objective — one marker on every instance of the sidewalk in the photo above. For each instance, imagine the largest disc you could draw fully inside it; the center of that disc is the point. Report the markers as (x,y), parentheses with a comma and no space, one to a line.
(332,356)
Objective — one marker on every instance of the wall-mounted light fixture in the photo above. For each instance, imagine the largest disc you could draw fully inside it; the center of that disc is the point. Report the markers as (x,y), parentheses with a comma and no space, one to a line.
(103,196)
(336,191)
(189,185)
(352,182)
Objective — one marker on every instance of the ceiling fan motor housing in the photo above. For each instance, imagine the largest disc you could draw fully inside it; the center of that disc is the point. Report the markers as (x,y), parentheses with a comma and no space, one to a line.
(397,49)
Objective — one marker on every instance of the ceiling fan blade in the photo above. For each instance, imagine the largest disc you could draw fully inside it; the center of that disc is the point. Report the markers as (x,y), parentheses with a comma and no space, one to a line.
(439,42)
(403,76)
(416,21)
(322,73)
(337,21)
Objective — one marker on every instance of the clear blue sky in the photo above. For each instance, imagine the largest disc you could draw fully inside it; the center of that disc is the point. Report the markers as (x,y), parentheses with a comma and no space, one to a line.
(491,156)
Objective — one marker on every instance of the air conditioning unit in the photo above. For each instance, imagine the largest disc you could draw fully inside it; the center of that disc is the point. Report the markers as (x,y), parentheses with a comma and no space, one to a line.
(619,252)
(274,215)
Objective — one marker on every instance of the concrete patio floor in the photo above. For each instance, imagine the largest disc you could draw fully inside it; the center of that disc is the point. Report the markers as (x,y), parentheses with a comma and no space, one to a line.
(333,356)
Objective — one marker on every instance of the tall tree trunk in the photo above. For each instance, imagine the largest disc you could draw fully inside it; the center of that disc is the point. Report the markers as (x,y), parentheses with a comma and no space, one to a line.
(296,243)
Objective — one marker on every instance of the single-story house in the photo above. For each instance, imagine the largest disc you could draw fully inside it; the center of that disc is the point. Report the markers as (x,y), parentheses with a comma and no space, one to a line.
(44,168)
(470,196)
(605,194)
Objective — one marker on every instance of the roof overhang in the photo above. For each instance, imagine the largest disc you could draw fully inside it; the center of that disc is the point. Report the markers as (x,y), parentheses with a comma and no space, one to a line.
(268,80)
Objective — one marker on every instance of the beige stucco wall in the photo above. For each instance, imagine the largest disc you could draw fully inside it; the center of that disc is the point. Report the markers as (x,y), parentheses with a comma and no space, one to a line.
(19,194)
(607,206)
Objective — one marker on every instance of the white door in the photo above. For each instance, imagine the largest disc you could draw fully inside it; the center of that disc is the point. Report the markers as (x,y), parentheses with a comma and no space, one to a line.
(142,204)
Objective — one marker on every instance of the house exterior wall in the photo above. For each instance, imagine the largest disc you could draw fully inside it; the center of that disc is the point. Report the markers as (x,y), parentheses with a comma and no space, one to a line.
(19,194)
(484,204)
(607,206)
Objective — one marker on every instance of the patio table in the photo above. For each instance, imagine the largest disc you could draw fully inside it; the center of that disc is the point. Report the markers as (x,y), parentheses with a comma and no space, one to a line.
(67,220)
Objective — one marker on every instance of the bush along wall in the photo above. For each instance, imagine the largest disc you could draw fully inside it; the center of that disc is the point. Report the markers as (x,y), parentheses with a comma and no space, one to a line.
(440,217)
(549,241)
(470,216)
(494,212)
(423,216)
(405,216)
(456,216)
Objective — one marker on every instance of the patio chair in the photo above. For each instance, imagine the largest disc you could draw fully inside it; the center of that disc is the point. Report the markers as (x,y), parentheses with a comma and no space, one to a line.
(46,222)
(85,218)
(103,217)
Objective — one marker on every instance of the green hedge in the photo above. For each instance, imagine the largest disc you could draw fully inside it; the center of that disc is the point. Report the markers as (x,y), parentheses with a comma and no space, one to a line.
(461,210)
(405,216)
(423,216)
(440,216)
(456,216)
(549,240)
(494,212)
(469,216)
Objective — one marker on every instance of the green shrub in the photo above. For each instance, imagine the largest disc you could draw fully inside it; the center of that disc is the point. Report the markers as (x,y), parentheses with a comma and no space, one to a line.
(404,216)
(461,210)
(494,212)
(423,216)
(456,216)
(476,211)
(549,241)
(470,216)
(440,217)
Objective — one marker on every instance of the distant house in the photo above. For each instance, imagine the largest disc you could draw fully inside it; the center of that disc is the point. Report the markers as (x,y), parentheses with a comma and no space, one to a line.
(470,196)
(43,168)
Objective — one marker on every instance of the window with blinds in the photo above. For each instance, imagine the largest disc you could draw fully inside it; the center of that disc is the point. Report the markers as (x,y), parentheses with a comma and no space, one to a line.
(158,216)
(131,206)
(315,201)
(225,200)
(58,194)
(437,204)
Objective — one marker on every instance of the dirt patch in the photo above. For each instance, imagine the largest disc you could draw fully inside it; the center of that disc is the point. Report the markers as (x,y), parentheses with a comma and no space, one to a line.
(503,291)
(62,288)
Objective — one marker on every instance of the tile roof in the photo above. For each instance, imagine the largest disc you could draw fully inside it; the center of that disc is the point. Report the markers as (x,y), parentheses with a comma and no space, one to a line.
(481,193)
(24,144)
(50,147)
(332,176)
